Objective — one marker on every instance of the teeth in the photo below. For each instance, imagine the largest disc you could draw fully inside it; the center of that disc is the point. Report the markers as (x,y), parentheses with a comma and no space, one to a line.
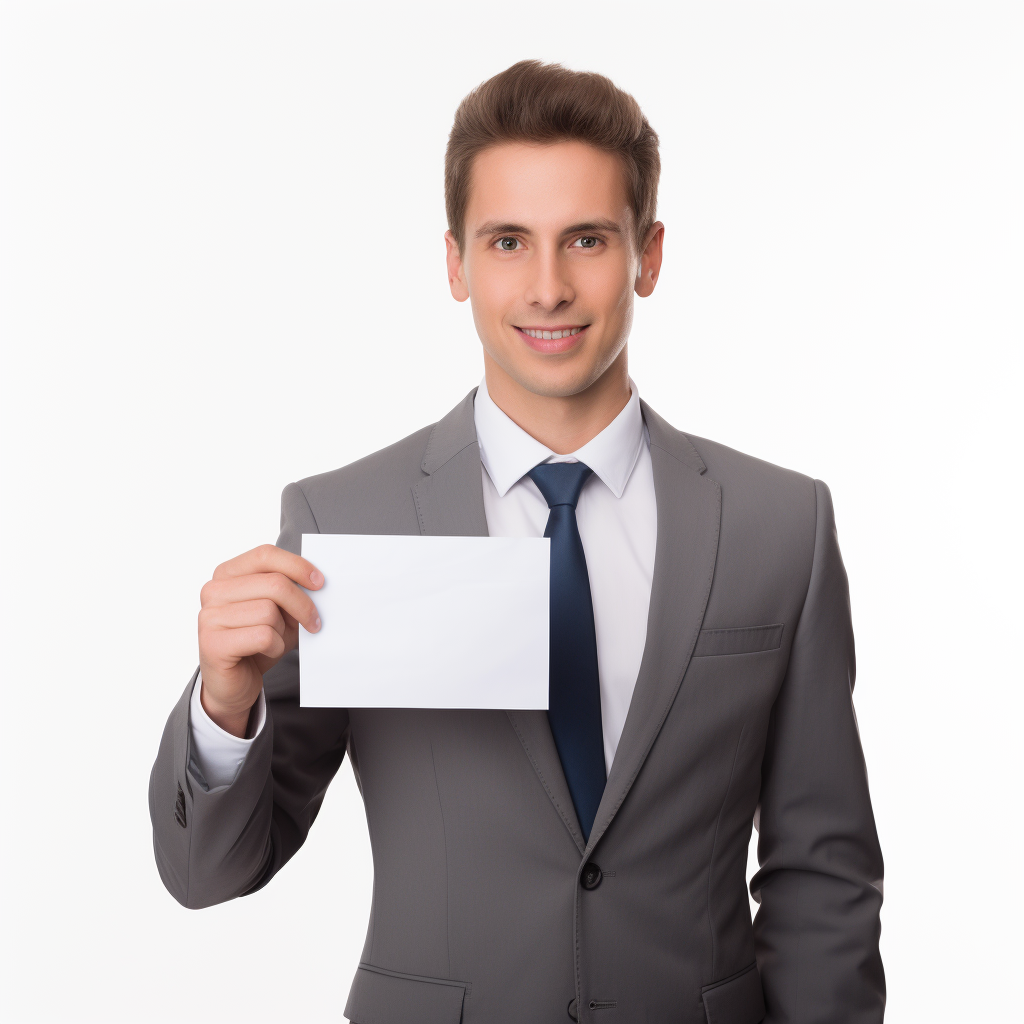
(552,335)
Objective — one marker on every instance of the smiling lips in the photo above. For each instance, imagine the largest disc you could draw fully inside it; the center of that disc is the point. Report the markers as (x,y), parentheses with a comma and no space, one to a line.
(565,332)
(558,339)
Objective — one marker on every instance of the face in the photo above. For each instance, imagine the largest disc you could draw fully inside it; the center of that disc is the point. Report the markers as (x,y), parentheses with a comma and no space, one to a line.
(550,263)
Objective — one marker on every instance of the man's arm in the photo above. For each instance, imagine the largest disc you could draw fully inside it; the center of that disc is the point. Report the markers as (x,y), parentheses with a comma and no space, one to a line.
(215,843)
(820,877)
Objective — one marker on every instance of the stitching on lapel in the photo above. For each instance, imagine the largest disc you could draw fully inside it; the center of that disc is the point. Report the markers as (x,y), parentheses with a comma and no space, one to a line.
(576,836)
(426,457)
(419,509)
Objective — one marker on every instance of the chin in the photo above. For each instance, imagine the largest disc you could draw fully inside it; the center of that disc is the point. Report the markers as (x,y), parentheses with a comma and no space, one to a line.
(563,382)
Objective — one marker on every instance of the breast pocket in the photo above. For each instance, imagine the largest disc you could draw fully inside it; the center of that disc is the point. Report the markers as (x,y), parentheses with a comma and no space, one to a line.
(741,640)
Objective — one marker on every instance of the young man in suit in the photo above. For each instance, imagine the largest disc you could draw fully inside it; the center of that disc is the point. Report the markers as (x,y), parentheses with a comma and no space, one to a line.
(588,862)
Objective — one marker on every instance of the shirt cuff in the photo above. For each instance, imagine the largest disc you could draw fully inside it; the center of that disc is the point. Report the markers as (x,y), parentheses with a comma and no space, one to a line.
(218,754)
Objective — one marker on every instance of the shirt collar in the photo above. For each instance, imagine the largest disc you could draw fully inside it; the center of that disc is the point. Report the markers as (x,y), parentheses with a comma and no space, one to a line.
(508,452)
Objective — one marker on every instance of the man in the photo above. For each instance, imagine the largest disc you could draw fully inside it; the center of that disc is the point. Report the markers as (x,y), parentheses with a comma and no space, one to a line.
(587,862)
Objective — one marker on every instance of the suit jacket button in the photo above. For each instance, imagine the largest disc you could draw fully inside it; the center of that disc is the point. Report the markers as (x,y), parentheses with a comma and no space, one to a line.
(572,1010)
(592,876)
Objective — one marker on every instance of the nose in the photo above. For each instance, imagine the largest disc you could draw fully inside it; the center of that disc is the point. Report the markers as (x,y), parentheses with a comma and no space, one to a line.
(549,286)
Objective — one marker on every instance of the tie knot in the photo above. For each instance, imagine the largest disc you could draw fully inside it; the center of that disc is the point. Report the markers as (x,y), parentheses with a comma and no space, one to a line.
(560,482)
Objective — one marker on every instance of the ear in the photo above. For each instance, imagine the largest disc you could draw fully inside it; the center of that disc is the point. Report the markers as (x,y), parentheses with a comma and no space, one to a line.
(650,261)
(456,272)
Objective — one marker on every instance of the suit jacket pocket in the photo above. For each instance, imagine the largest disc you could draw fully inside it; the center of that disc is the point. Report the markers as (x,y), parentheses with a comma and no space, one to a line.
(735,1000)
(386,997)
(741,640)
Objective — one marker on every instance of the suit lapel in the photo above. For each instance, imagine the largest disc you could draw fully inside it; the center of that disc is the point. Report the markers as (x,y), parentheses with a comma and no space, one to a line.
(689,514)
(450,503)
(534,733)
(450,499)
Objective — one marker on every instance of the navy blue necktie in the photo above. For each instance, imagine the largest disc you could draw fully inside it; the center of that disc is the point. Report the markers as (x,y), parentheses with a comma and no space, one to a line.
(574,689)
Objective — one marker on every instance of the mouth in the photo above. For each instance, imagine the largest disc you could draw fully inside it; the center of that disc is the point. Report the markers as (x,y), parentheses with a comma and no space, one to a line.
(552,339)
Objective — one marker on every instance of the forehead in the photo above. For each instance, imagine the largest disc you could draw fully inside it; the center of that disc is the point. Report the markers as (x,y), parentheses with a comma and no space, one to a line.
(546,185)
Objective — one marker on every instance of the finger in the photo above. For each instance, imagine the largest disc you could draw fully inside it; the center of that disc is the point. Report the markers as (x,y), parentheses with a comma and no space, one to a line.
(268,558)
(268,586)
(262,612)
(230,646)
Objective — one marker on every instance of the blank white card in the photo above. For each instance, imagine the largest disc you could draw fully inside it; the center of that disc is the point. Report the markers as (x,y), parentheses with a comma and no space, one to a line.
(427,622)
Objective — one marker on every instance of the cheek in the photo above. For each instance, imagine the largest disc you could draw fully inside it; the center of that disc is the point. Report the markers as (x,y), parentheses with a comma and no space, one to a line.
(493,295)
(608,288)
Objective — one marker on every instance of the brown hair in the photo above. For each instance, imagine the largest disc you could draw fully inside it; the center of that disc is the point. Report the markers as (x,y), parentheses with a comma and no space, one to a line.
(546,103)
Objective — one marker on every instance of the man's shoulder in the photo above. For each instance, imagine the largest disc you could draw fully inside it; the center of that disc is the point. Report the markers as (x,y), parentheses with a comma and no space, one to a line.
(766,509)
(372,494)
(401,460)
(737,469)
(768,524)
(767,512)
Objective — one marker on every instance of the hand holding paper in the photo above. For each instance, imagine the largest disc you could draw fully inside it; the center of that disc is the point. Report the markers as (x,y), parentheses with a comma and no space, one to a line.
(251,610)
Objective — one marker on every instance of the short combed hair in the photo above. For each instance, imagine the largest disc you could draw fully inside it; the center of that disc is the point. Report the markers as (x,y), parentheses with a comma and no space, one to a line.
(546,103)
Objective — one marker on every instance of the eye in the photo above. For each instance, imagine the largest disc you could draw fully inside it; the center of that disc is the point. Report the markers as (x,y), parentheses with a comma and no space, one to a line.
(508,243)
(587,242)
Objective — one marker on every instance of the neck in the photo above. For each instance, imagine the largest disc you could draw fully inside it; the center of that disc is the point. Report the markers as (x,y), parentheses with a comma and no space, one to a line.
(563,423)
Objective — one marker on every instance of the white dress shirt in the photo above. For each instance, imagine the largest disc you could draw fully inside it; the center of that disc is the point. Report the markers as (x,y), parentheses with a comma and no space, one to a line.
(618,522)
(219,753)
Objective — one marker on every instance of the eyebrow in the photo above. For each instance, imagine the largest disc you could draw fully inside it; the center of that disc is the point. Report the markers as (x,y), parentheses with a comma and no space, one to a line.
(608,226)
(496,228)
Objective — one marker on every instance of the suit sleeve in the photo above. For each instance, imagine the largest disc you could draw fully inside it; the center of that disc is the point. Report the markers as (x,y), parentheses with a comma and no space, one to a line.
(213,845)
(820,880)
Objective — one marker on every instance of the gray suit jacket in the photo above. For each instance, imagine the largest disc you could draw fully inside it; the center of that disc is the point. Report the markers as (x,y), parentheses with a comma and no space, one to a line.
(487,903)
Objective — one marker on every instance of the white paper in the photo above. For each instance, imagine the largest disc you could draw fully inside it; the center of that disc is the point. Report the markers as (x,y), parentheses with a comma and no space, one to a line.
(427,622)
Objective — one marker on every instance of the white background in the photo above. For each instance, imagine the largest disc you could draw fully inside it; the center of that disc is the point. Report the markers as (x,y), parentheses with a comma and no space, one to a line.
(199,201)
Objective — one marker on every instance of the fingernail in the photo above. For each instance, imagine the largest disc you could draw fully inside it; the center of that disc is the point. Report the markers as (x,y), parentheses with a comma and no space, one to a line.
(316,578)
(316,626)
